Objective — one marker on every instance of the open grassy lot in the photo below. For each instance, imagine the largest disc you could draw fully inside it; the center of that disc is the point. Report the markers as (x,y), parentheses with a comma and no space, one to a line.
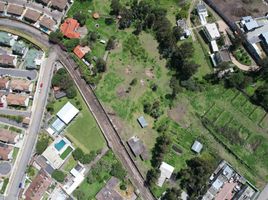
(83,131)
(69,164)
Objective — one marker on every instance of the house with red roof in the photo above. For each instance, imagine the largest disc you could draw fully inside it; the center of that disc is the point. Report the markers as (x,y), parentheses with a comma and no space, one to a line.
(69,28)
(80,51)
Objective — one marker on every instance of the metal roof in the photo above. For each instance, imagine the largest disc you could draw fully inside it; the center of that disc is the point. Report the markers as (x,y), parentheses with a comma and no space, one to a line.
(197,147)
(67,113)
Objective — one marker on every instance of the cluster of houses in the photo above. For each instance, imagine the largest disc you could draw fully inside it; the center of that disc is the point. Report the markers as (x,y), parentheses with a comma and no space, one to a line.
(53,159)
(256,32)
(15,53)
(15,92)
(35,16)
(226,183)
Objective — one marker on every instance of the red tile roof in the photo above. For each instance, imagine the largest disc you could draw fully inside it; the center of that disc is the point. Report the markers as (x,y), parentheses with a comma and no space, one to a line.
(4,152)
(69,28)
(80,51)
(4,83)
(38,186)
(7,136)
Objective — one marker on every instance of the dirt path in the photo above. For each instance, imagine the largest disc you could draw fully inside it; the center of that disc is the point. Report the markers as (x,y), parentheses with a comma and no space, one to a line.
(241,66)
(193,3)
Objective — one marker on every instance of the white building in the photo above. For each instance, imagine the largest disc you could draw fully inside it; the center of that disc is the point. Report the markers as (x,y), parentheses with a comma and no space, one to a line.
(75,180)
(197,147)
(202,13)
(212,32)
(67,113)
(166,172)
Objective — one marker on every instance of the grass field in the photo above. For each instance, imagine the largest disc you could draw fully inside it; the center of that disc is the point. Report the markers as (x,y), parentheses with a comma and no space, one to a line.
(83,131)
(69,164)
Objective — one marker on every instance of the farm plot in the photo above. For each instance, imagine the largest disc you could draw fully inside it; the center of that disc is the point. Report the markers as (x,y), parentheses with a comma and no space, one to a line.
(248,108)
(229,95)
(213,113)
(257,115)
(264,122)
(239,101)
(224,119)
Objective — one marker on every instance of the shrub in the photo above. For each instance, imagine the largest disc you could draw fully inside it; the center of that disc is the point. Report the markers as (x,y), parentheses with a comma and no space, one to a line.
(58,175)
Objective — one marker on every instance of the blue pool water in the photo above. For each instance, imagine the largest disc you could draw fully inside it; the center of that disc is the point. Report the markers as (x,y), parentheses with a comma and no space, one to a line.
(59,145)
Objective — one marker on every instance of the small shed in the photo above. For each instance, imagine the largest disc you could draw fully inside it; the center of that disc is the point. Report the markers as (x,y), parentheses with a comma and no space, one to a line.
(197,147)
(143,123)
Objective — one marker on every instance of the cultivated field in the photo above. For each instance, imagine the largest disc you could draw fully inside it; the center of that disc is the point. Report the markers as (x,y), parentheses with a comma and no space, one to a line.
(235,9)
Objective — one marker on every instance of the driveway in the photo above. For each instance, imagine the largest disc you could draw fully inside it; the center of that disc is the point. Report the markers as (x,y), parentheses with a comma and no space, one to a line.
(15,112)
(29,74)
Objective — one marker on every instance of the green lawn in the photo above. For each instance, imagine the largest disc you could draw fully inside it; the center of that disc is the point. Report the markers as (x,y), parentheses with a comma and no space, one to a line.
(66,153)
(83,131)
(15,153)
(69,164)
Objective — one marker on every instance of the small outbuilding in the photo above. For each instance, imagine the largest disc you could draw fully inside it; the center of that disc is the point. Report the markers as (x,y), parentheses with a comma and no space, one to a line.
(143,123)
(197,147)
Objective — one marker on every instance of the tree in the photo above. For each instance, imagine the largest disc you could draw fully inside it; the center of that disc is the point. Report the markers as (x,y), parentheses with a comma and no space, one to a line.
(118,171)
(109,21)
(115,7)
(172,194)
(111,43)
(186,49)
(58,175)
(188,69)
(194,177)
(134,82)
(55,37)
(152,176)
(71,44)
(161,146)
(80,195)
(177,32)
(261,96)
(81,17)
(71,92)
(42,144)
(93,36)
(101,65)
(78,154)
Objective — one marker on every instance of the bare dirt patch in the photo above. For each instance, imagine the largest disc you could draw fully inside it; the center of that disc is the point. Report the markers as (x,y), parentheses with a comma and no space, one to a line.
(235,9)
(128,70)
(121,92)
(177,114)
(149,73)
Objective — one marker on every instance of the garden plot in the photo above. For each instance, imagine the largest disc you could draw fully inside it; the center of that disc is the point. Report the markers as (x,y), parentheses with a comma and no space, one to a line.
(257,115)
(248,108)
(229,95)
(264,122)
(239,101)
(224,119)
(213,113)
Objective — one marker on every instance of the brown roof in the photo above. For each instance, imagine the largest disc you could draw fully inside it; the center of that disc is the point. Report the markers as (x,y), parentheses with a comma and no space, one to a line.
(16,100)
(4,151)
(108,192)
(7,59)
(38,186)
(47,22)
(2,6)
(32,15)
(20,85)
(7,136)
(3,83)
(15,9)
(60,4)
(26,120)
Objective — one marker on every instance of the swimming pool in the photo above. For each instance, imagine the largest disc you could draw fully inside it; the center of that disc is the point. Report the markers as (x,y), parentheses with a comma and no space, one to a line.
(60,145)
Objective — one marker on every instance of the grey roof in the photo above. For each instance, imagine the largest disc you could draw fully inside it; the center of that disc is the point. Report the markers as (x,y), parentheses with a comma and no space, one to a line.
(59,94)
(30,59)
(5,38)
(42,162)
(58,125)
(108,191)
(228,171)
(249,23)
(197,147)
(201,7)
(19,48)
(138,148)
(142,122)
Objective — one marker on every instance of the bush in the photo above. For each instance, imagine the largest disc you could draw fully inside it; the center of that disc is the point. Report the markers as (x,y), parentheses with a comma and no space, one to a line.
(58,175)
(42,144)
(134,82)
(118,171)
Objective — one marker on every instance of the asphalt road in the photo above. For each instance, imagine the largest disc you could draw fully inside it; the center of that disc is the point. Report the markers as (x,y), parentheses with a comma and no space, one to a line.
(39,105)
(29,74)
(96,108)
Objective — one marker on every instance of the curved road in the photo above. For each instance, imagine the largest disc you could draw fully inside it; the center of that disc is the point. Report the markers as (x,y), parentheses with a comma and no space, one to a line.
(94,105)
